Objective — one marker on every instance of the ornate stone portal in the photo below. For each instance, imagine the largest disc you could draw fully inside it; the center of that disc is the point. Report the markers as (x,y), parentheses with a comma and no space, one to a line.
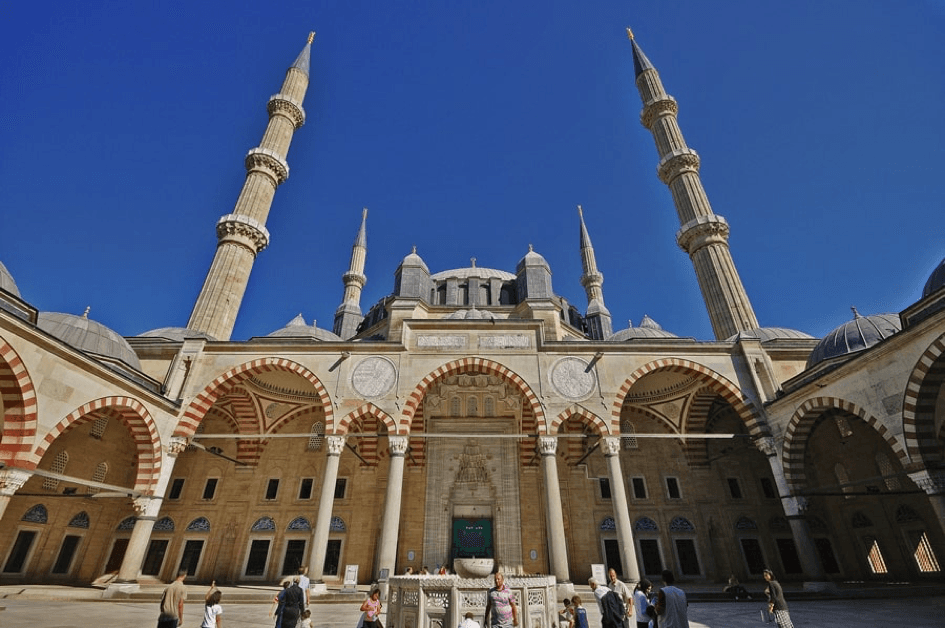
(442,601)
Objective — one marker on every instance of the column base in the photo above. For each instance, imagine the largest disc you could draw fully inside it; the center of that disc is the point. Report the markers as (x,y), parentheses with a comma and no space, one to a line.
(317,588)
(820,587)
(564,589)
(120,589)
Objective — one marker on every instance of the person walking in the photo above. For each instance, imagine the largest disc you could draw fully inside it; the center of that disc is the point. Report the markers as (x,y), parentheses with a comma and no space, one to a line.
(501,611)
(640,601)
(304,583)
(293,603)
(172,602)
(372,609)
(469,622)
(579,613)
(671,604)
(611,608)
(623,591)
(776,604)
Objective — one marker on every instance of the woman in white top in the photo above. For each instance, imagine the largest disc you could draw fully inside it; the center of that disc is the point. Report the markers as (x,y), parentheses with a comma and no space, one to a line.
(212,611)
(641,601)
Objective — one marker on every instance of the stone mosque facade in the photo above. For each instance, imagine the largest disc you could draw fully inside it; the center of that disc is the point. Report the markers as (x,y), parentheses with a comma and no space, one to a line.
(471,412)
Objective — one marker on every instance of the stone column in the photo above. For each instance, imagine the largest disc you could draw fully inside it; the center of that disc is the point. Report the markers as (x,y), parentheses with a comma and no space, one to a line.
(794,508)
(556,540)
(11,480)
(610,445)
(316,563)
(390,524)
(933,483)
(147,508)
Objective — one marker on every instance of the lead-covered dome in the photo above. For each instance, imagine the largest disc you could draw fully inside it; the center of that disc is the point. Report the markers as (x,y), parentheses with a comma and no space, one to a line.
(472,271)
(88,336)
(648,328)
(765,334)
(6,281)
(175,334)
(861,333)
(936,279)
(298,328)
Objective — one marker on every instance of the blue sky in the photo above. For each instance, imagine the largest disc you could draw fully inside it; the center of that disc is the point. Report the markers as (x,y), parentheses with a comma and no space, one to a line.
(472,129)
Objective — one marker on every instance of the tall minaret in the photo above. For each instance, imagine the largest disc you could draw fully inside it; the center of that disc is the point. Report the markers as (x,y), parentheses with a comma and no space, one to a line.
(242,234)
(599,323)
(348,315)
(703,234)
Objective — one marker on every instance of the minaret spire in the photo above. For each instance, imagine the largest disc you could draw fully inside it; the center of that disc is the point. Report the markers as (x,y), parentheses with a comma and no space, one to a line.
(598,320)
(348,315)
(242,234)
(703,234)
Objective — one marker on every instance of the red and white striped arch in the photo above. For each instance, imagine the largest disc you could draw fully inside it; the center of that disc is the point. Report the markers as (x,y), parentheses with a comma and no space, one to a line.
(19,409)
(918,405)
(586,416)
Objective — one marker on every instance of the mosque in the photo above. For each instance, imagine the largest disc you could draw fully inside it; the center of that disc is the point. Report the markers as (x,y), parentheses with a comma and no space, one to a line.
(472,412)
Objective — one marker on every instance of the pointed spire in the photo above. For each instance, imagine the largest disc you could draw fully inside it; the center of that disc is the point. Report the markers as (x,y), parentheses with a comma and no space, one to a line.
(585,239)
(597,317)
(361,240)
(640,63)
(302,61)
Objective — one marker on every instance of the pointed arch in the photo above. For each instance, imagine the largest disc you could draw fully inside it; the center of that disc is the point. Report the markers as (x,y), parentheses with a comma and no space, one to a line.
(801,424)
(365,410)
(479,365)
(588,417)
(204,400)
(19,409)
(136,419)
(918,404)
(721,385)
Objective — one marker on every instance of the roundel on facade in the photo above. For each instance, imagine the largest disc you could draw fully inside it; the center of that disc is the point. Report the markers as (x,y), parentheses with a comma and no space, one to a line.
(373,376)
(572,378)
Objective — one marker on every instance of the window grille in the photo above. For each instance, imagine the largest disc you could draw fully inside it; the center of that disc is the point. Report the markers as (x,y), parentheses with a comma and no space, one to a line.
(58,466)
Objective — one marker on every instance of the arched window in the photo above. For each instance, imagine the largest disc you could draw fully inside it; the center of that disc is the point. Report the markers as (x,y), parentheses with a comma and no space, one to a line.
(875,556)
(316,436)
(299,523)
(843,425)
(472,406)
(98,427)
(628,436)
(36,514)
(778,524)
(886,470)
(681,524)
(843,479)
(101,470)
(488,406)
(645,524)
(608,525)
(744,523)
(81,520)
(263,524)
(58,466)
(164,524)
(860,520)
(456,407)
(337,525)
(200,524)
(905,514)
(128,523)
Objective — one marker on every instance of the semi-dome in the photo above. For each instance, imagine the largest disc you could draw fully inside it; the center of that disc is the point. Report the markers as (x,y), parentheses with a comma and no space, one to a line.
(936,279)
(473,315)
(175,334)
(648,329)
(861,333)
(6,281)
(298,328)
(765,334)
(89,336)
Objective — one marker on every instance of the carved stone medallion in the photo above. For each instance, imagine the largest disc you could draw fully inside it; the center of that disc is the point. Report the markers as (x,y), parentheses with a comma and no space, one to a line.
(373,376)
(571,379)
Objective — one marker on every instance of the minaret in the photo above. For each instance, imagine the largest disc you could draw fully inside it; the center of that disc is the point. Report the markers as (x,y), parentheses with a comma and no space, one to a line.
(242,234)
(599,323)
(703,235)
(348,315)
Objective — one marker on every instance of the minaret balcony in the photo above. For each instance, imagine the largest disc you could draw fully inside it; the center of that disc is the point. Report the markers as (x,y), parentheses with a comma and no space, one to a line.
(244,231)
(679,161)
(282,104)
(269,163)
(702,232)
(657,108)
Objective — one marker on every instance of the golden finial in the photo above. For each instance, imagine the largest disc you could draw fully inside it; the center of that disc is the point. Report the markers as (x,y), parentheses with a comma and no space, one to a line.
(311,36)
(629,34)
(580,211)
(85,314)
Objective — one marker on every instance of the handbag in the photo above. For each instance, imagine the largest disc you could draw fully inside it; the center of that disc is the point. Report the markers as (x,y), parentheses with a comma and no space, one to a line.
(767,616)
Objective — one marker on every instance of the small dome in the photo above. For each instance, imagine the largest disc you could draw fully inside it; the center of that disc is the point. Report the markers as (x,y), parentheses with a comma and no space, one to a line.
(472,315)
(175,334)
(298,328)
(414,260)
(532,259)
(765,334)
(89,336)
(936,279)
(861,333)
(6,281)
(648,329)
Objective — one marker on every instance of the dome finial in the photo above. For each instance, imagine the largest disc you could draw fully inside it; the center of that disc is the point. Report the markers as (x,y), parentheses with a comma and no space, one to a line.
(855,313)
(413,249)
(311,36)
(85,314)
(472,262)
(531,249)
(629,34)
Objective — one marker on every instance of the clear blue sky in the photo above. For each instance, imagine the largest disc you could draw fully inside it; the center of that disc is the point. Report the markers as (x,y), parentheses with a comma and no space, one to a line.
(472,129)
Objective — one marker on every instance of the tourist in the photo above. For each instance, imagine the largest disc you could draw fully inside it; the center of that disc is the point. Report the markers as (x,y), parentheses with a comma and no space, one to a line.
(306,621)
(500,605)
(304,582)
(623,591)
(372,609)
(279,601)
(776,603)
(736,590)
(641,602)
(172,602)
(611,607)
(469,622)
(579,613)
(565,616)
(212,611)
(671,604)
(293,605)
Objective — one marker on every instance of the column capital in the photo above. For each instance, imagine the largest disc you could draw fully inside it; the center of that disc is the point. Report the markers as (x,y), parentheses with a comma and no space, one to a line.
(767,446)
(932,482)
(398,445)
(336,444)
(176,446)
(146,506)
(794,506)
(12,480)
(610,445)
(547,445)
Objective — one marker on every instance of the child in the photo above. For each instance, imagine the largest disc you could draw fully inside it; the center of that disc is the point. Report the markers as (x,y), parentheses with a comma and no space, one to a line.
(580,613)
(212,611)
(306,620)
